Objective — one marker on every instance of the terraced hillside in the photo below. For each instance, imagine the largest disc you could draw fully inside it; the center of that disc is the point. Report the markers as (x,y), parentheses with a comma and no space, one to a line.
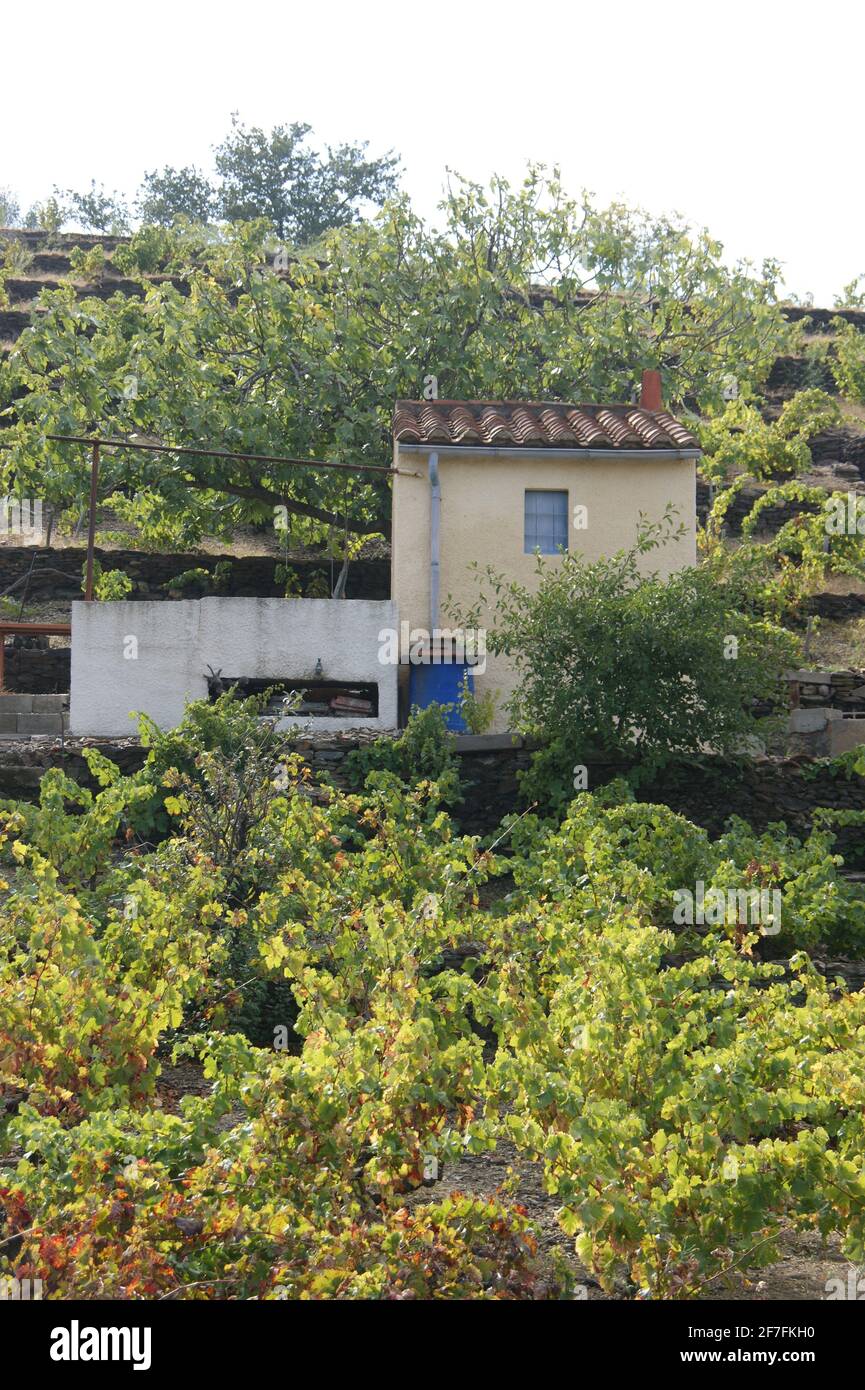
(34,262)
(37,261)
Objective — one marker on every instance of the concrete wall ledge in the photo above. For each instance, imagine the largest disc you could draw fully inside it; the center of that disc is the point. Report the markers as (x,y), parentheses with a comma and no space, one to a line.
(487,743)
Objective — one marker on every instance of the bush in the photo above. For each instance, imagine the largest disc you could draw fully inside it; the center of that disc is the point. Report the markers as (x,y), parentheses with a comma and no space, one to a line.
(231,728)
(739,442)
(109,586)
(423,752)
(685,1114)
(616,664)
(194,581)
(478,711)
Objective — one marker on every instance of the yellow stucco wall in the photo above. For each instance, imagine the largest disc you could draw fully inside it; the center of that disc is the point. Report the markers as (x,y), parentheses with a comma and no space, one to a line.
(482,518)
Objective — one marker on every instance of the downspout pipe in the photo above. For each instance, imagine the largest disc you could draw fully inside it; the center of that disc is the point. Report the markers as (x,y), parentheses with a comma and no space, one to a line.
(434,541)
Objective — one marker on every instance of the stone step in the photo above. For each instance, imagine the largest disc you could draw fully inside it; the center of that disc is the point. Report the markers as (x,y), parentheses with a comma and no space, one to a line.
(15,704)
(12,703)
(43,723)
(47,723)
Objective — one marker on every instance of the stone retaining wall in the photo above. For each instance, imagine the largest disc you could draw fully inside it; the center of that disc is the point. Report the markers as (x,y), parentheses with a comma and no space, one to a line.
(707,793)
(37,672)
(57,574)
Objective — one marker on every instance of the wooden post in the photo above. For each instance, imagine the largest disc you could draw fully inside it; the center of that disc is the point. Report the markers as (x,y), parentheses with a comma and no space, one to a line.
(91,528)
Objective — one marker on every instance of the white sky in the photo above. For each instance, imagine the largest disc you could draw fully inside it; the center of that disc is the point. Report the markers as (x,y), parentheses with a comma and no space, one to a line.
(744,117)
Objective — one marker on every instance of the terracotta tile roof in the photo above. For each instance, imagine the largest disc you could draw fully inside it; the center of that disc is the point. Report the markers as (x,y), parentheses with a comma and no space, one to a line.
(538,425)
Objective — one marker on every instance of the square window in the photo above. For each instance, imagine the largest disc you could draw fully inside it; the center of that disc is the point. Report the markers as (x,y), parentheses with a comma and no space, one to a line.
(546,522)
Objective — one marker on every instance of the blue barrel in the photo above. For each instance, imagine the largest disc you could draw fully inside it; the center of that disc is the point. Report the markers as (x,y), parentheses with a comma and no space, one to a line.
(441,683)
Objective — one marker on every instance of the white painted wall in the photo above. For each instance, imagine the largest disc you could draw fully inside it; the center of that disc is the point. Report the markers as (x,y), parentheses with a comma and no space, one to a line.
(174,643)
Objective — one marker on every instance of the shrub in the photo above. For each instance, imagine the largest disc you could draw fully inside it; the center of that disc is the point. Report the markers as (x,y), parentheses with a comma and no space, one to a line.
(109,586)
(740,442)
(616,664)
(685,1114)
(234,729)
(478,711)
(194,581)
(848,364)
(424,751)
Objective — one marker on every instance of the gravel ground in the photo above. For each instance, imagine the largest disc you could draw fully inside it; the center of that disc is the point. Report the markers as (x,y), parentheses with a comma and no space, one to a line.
(800,1275)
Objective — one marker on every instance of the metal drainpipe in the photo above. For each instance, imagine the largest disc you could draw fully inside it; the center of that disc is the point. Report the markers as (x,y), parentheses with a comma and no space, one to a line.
(435,520)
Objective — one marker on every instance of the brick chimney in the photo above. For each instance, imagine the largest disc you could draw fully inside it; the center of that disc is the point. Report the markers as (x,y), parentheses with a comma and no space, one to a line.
(650,391)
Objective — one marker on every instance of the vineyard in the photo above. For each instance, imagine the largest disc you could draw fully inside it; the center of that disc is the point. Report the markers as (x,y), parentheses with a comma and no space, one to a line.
(366,998)
(379,974)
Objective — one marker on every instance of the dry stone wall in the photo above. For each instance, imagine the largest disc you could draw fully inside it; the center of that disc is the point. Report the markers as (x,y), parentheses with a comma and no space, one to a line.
(57,574)
(707,792)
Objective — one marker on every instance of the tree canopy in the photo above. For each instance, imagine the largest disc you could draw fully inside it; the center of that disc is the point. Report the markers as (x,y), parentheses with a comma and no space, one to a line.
(520,292)
(277,175)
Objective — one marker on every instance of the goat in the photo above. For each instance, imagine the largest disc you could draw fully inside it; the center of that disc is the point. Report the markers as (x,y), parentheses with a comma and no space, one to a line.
(215,687)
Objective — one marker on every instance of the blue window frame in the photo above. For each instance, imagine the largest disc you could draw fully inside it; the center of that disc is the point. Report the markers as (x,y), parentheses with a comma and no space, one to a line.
(546,527)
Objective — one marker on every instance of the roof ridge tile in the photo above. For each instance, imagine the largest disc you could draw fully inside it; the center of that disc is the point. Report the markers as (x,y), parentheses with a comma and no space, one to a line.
(618,426)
